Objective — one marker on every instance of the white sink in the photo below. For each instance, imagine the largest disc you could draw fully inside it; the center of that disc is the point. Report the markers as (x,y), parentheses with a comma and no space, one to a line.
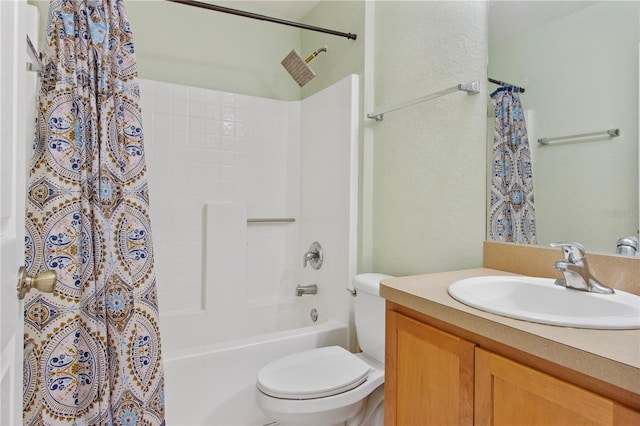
(540,300)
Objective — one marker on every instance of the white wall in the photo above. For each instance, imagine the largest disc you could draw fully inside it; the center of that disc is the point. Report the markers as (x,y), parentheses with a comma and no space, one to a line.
(218,158)
(581,76)
(206,150)
(329,193)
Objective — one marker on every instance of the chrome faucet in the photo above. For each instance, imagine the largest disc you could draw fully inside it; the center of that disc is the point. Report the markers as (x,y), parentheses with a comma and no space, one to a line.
(306,289)
(576,270)
(627,246)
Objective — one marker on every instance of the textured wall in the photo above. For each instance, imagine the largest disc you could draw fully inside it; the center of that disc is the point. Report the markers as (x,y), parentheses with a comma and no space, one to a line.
(429,162)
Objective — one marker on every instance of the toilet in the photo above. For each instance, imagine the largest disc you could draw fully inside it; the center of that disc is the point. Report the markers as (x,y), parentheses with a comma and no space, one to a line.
(330,385)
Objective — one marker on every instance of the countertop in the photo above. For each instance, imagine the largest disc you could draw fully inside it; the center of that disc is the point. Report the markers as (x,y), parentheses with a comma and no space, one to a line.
(612,356)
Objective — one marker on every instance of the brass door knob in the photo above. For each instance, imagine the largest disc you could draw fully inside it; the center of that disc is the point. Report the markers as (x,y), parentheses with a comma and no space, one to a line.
(44,281)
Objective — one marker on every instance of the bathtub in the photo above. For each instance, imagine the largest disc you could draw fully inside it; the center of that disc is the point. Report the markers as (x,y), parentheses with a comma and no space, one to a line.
(215,384)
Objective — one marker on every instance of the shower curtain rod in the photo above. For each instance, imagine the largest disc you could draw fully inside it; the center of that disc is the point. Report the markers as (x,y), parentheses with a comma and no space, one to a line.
(263,18)
(504,83)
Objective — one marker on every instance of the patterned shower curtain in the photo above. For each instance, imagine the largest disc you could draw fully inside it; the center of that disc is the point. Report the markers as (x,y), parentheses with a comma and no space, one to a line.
(92,348)
(512,214)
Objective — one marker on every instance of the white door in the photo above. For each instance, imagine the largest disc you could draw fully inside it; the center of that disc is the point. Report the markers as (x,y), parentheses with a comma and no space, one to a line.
(13,143)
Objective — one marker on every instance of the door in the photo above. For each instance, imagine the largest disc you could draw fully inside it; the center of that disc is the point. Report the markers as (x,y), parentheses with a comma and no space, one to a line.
(13,143)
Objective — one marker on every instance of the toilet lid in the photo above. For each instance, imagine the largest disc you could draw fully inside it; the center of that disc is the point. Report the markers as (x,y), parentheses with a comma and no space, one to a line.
(315,373)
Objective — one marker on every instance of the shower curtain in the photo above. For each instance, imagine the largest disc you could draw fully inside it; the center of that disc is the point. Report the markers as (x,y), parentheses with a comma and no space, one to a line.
(512,213)
(92,348)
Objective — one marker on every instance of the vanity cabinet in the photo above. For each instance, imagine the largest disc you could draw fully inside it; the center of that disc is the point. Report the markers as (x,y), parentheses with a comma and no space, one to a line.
(429,375)
(510,393)
(434,377)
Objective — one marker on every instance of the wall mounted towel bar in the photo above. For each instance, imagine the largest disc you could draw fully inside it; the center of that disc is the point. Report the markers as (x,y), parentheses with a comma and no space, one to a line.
(611,132)
(472,88)
(270,219)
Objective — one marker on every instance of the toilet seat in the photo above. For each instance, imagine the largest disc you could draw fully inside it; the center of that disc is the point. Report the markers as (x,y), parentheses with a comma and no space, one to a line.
(316,373)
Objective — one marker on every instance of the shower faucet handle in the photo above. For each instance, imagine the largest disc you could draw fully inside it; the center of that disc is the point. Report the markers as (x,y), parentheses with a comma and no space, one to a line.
(314,256)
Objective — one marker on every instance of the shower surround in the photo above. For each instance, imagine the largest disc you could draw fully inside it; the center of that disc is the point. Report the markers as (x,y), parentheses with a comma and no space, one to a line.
(216,159)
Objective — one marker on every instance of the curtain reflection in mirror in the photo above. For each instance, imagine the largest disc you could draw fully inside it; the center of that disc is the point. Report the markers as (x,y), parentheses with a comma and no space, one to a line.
(512,213)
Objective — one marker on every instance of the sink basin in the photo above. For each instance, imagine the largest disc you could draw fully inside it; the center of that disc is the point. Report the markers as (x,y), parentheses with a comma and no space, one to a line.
(540,300)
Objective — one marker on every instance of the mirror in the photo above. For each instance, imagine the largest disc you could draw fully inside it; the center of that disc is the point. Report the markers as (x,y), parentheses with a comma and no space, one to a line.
(578,62)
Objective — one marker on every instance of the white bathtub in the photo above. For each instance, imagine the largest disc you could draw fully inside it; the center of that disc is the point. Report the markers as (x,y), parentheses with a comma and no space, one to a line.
(215,384)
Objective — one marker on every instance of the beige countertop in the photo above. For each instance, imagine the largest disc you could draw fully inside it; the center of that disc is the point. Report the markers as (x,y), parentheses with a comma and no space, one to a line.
(612,356)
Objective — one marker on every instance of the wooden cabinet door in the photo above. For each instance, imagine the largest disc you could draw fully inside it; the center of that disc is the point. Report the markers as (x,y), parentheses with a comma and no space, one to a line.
(508,393)
(429,375)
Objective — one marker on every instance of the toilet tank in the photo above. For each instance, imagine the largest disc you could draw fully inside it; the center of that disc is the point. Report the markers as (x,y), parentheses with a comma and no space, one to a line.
(369,312)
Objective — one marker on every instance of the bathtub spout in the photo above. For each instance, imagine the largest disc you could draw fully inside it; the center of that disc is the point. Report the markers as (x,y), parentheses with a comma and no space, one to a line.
(306,289)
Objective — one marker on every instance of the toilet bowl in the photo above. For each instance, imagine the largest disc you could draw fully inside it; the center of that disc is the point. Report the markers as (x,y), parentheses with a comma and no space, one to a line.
(330,385)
